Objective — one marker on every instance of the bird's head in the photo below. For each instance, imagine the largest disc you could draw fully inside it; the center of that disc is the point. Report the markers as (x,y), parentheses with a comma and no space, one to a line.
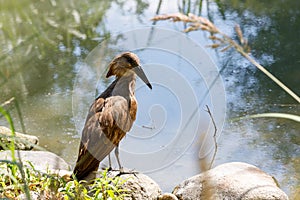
(127,64)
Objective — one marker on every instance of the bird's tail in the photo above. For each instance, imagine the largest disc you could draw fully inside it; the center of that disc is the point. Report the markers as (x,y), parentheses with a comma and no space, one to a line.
(85,167)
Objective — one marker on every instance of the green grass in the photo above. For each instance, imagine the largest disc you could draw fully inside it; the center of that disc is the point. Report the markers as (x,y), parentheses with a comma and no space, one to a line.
(49,186)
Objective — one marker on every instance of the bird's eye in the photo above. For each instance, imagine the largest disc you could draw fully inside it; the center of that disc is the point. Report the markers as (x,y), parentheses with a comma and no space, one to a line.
(130,60)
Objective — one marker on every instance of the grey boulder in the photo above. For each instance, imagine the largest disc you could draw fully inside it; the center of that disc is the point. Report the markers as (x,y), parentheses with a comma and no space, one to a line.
(230,181)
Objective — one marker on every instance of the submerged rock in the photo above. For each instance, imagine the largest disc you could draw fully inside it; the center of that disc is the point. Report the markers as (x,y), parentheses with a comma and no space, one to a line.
(22,141)
(231,181)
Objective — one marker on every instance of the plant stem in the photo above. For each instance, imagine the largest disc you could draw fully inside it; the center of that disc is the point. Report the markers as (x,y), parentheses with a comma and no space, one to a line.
(240,49)
(271,76)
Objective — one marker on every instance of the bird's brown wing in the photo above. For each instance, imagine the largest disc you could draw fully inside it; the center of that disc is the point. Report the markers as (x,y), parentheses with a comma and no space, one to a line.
(107,123)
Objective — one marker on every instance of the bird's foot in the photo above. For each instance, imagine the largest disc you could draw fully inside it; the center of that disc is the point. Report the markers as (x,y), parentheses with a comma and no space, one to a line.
(123,172)
(132,172)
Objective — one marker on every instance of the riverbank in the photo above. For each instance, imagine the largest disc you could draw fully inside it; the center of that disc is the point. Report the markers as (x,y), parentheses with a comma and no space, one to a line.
(234,180)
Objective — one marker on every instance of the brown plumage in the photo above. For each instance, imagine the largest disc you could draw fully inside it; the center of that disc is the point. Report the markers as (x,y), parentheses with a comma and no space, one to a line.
(110,116)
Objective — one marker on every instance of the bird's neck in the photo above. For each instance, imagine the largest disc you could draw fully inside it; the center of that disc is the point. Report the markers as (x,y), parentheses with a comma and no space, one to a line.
(125,86)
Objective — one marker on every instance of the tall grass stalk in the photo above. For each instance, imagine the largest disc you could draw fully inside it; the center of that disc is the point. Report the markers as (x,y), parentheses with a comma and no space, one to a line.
(200,23)
(14,164)
(12,128)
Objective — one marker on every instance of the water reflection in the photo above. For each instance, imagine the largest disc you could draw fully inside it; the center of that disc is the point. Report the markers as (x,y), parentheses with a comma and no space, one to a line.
(271,31)
(44,42)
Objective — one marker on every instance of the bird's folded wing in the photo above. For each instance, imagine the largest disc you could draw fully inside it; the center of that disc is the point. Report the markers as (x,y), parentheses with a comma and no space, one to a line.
(116,113)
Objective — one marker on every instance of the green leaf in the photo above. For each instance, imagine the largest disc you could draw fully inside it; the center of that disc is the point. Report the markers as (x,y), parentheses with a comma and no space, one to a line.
(111,193)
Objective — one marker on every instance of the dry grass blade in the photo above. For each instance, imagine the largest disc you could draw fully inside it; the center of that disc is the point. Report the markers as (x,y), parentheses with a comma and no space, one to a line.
(175,17)
(196,22)
(8,102)
(239,33)
(214,46)
(226,48)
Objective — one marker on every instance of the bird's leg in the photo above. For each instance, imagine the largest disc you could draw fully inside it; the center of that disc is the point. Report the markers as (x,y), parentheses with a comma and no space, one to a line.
(118,159)
(109,163)
(119,163)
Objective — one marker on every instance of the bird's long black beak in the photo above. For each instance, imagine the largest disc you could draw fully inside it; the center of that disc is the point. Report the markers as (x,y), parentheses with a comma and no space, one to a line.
(139,71)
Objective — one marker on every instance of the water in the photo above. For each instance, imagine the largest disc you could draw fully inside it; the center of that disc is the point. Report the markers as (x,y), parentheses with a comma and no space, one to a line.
(46,45)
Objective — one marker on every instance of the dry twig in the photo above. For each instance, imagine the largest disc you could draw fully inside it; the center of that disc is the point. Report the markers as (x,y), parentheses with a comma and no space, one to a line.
(214,136)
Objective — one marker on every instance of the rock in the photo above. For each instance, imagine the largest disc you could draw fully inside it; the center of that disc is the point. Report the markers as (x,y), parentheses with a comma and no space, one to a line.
(141,187)
(167,196)
(23,141)
(228,181)
(43,161)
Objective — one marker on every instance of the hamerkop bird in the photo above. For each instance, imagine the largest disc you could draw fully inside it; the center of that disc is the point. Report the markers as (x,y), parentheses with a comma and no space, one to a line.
(110,116)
